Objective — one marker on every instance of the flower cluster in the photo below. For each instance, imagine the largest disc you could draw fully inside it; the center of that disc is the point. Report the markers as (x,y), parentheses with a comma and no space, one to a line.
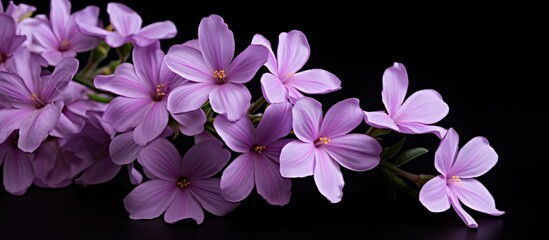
(64,123)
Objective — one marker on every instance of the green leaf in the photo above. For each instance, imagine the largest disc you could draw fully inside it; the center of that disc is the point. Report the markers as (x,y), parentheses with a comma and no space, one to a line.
(390,182)
(376,132)
(391,151)
(406,187)
(409,155)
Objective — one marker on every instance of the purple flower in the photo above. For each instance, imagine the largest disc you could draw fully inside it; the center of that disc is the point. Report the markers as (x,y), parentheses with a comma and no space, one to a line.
(415,114)
(212,72)
(33,103)
(58,37)
(260,151)
(456,183)
(285,82)
(18,172)
(127,28)
(17,12)
(182,187)
(9,41)
(143,89)
(325,143)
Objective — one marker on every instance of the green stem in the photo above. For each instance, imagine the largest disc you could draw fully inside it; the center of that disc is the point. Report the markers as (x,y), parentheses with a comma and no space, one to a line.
(256,105)
(410,176)
(100,99)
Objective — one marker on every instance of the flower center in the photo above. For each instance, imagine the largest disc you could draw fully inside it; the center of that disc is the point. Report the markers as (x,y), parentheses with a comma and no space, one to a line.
(322,141)
(455,180)
(37,101)
(259,148)
(3,57)
(64,45)
(183,182)
(220,76)
(288,77)
(160,92)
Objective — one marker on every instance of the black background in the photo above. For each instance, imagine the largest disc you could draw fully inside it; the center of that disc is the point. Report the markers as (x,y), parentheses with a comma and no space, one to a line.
(484,60)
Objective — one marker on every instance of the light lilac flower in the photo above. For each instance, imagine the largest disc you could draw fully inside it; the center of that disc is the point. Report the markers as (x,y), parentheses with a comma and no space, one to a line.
(33,102)
(17,12)
(212,72)
(285,82)
(127,26)
(324,143)
(182,187)
(260,149)
(58,37)
(456,184)
(18,172)
(422,108)
(143,89)
(9,40)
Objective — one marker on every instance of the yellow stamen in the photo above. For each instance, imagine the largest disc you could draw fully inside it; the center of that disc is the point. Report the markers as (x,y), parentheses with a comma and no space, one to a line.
(259,148)
(183,182)
(325,140)
(64,45)
(456,180)
(160,92)
(220,76)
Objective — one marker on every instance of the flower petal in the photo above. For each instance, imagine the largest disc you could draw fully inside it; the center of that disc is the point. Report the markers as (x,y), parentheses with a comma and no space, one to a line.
(188,97)
(191,123)
(115,39)
(103,170)
(297,159)
(154,121)
(184,206)
(342,118)
(276,123)
(328,177)
(270,184)
(395,86)
(420,128)
(188,63)
(244,67)
(231,100)
(60,12)
(216,42)
(18,172)
(60,78)
(125,20)
(293,52)
(11,119)
(147,61)
(293,94)
(474,159)
(424,106)
(433,195)
(42,33)
(150,199)
(273,89)
(37,127)
(123,82)
(135,176)
(357,152)
(239,135)
(446,152)
(271,63)
(315,81)
(307,119)
(475,195)
(154,31)
(238,179)
(274,148)
(208,193)
(124,113)
(162,159)
(123,149)
(380,120)
(467,219)
(204,160)
(13,92)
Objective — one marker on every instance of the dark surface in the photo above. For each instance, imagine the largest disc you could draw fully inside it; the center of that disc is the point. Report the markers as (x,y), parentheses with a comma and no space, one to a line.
(483,61)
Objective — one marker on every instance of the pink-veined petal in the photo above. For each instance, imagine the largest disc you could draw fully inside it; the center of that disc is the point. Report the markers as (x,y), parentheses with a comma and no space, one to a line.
(115,40)
(274,149)
(357,152)
(239,135)
(36,128)
(328,177)
(135,176)
(395,86)
(307,118)
(162,159)
(42,33)
(18,172)
(342,118)
(124,19)
(216,42)
(14,92)
(154,31)
(191,123)
(424,106)
(380,120)
(123,82)
(60,12)
(150,199)
(147,61)
(204,160)
(154,121)
(467,219)
(244,67)
(60,78)
(293,94)
(276,123)
(420,128)
(124,113)
(54,56)
(315,81)
(273,89)
(208,193)
(446,152)
(475,195)
(293,52)
(11,119)
(271,63)
(123,149)
(297,159)
(270,184)
(188,63)
(231,100)
(433,195)
(474,159)
(188,97)
(238,178)
(103,170)
(184,206)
